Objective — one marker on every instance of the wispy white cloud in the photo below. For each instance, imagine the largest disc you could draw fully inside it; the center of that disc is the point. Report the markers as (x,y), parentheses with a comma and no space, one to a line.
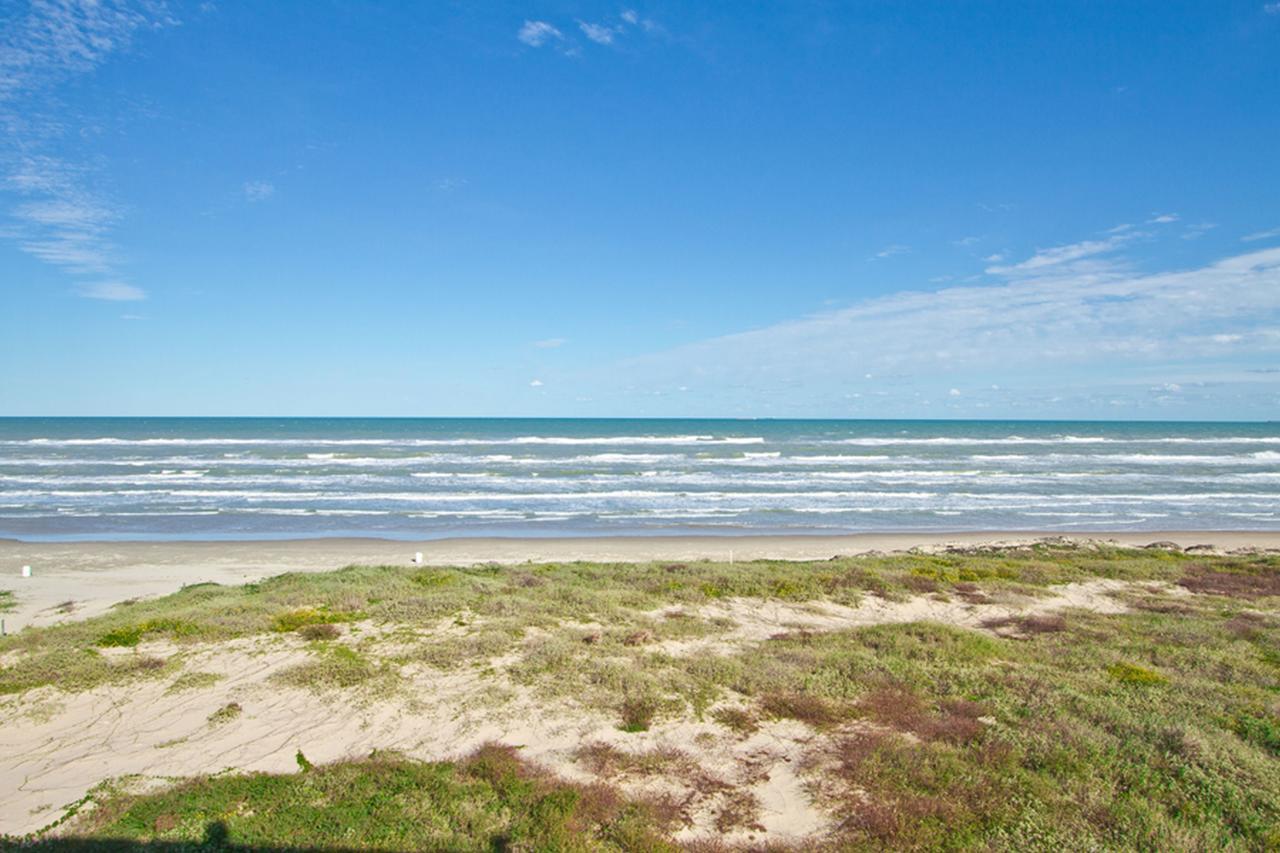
(1261,235)
(112,291)
(1162,219)
(1198,230)
(1034,329)
(544,33)
(892,250)
(57,38)
(258,190)
(449,184)
(538,33)
(598,33)
(632,18)
(60,216)
(549,343)
(1059,256)
(536,383)
(59,220)
(1271,8)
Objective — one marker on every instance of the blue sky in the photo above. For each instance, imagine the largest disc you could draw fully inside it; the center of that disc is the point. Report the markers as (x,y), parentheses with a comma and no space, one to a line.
(832,210)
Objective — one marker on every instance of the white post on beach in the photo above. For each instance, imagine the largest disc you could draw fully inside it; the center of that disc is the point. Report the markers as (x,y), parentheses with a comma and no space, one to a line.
(417,558)
(731,556)
(26,571)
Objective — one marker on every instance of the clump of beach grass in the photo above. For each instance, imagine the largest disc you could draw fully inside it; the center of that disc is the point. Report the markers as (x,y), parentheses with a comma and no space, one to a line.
(320,632)
(739,720)
(336,667)
(132,634)
(1028,625)
(308,617)
(1232,578)
(1131,673)
(638,712)
(225,714)
(193,681)
(78,669)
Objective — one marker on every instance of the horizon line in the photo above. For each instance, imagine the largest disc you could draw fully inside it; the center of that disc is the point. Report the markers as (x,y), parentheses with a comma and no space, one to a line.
(742,418)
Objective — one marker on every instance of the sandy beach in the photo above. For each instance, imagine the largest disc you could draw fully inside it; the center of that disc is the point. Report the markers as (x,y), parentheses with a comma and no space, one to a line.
(96,575)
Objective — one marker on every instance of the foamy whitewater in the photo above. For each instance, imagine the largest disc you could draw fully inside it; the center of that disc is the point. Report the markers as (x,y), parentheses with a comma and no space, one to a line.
(102,478)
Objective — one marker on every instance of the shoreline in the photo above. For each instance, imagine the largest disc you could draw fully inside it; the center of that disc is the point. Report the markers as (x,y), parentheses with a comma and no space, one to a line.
(95,575)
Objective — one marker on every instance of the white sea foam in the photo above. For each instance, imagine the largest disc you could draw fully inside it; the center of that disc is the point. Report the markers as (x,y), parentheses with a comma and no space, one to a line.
(944,441)
(779,479)
(619,441)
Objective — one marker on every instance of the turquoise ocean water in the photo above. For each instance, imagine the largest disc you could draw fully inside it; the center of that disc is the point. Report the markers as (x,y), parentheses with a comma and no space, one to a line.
(174,478)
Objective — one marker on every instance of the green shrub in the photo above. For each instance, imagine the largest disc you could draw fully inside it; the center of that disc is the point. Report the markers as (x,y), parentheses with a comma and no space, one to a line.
(292,620)
(319,632)
(1261,729)
(1128,673)
(433,577)
(128,636)
(638,712)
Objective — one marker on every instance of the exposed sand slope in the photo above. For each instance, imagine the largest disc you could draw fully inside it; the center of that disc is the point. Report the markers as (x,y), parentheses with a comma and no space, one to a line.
(54,746)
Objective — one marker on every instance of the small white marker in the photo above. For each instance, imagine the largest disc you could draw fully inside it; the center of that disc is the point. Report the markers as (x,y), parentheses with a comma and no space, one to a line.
(26,571)
(417,558)
(731,558)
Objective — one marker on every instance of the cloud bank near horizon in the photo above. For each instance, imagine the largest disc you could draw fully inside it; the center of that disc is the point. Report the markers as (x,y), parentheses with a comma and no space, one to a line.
(1071,326)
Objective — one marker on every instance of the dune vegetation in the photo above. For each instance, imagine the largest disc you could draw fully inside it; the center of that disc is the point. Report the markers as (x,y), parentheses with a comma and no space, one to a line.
(931,700)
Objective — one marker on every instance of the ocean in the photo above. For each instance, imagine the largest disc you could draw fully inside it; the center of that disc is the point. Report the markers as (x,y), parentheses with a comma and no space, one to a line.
(212,478)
